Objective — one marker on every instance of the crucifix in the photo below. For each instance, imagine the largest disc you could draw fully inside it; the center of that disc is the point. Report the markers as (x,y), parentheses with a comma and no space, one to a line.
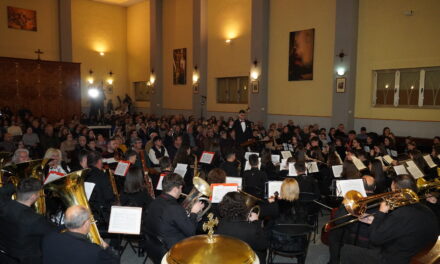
(209,226)
(39,52)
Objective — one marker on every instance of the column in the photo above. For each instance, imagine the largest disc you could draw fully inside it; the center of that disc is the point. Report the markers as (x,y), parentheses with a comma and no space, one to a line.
(65,29)
(156,55)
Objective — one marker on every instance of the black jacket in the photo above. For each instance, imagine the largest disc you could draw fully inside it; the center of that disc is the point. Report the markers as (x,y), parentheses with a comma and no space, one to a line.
(102,196)
(231,168)
(241,136)
(21,231)
(74,248)
(169,221)
(254,182)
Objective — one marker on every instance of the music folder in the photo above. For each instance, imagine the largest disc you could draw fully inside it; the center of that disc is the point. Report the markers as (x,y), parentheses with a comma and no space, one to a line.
(125,220)
(286,154)
(181,169)
(207,157)
(429,161)
(219,190)
(236,180)
(337,171)
(273,187)
(122,168)
(343,186)
(275,159)
(292,170)
(53,176)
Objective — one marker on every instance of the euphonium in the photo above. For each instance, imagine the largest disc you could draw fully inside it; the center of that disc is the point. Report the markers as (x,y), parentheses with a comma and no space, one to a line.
(251,203)
(425,186)
(201,189)
(71,190)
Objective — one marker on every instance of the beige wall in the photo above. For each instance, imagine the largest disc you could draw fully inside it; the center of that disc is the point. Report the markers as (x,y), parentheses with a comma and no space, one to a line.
(21,43)
(177,33)
(100,27)
(309,98)
(227,19)
(388,39)
(138,45)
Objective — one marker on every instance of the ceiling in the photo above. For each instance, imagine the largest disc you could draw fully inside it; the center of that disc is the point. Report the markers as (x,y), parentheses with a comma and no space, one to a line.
(120,2)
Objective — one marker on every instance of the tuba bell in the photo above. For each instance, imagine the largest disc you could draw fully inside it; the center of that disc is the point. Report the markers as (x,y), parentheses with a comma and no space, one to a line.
(71,190)
(200,192)
(427,186)
(251,203)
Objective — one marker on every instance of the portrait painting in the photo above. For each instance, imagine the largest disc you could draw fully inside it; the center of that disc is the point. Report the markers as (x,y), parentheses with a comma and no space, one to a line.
(340,85)
(24,19)
(179,66)
(301,45)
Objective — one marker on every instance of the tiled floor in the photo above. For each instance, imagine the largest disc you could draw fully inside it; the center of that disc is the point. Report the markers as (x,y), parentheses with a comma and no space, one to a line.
(317,254)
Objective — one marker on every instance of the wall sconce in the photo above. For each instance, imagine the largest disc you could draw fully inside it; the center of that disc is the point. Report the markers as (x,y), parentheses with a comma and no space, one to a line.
(110,78)
(195,76)
(152,78)
(228,41)
(255,72)
(340,71)
(101,53)
(90,78)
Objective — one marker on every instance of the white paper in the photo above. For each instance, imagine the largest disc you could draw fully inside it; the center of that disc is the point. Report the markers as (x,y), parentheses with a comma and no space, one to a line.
(429,160)
(415,172)
(125,220)
(206,157)
(339,157)
(247,154)
(387,159)
(312,167)
(109,161)
(393,153)
(88,188)
(343,186)
(218,191)
(381,160)
(292,170)
(181,169)
(286,154)
(366,148)
(159,183)
(283,165)
(290,147)
(285,146)
(237,180)
(52,177)
(400,170)
(122,168)
(337,171)
(272,187)
(358,163)
(275,159)
(410,163)
(247,166)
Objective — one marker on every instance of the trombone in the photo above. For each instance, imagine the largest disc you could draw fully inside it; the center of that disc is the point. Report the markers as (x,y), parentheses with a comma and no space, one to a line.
(356,205)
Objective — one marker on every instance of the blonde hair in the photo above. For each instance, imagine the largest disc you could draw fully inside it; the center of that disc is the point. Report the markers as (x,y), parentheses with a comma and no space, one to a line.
(51,151)
(289,190)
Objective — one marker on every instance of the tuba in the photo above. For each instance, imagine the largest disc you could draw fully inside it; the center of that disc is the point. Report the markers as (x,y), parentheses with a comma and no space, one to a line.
(251,203)
(71,191)
(200,192)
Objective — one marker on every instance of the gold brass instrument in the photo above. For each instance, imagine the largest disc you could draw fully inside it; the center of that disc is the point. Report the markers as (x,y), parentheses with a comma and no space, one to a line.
(4,157)
(147,178)
(200,192)
(424,185)
(112,180)
(71,191)
(356,205)
(251,203)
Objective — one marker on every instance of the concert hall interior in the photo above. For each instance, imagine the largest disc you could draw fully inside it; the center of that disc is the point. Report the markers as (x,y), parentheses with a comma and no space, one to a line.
(219,131)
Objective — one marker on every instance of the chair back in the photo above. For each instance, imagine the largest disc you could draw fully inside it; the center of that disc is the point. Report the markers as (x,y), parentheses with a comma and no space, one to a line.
(290,238)
(155,248)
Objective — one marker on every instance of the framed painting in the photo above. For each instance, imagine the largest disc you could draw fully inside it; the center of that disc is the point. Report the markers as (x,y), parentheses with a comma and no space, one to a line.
(340,85)
(24,19)
(179,66)
(301,49)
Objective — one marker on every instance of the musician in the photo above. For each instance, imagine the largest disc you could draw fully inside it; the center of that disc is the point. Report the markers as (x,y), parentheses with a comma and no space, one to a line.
(254,180)
(166,218)
(135,191)
(236,221)
(286,202)
(20,155)
(230,165)
(21,228)
(56,163)
(157,152)
(73,246)
(307,183)
(82,161)
(400,234)
(242,128)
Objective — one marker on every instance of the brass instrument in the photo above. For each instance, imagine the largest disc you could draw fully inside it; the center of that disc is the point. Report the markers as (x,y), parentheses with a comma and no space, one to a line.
(196,164)
(357,205)
(426,187)
(201,189)
(112,180)
(71,190)
(251,203)
(147,178)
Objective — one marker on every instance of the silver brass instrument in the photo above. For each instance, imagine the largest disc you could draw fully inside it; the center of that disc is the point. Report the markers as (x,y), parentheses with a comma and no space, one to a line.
(251,203)
(200,192)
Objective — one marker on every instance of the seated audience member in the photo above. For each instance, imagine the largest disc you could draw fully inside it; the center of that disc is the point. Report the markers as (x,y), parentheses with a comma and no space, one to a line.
(230,165)
(20,155)
(254,180)
(157,152)
(21,228)
(236,221)
(30,139)
(81,161)
(73,246)
(7,144)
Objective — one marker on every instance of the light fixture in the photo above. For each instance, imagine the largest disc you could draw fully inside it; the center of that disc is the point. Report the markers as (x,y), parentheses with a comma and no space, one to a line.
(255,73)
(196,75)
(412,87)
(152,78)
(228,41)
(387,86)
(101,53)
(90,78)
(93,93)
(110,78)
(340,71)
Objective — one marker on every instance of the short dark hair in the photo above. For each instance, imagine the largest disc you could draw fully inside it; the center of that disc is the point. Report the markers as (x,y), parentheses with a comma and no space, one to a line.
(352,132)
(314,139)
(130,153)
(28,187)
(300,166)
(242,111)
(363,129)
(170,181)
(164,162)
(216,175)
(134,180)
(253,160)
(405,181)
(82,154)
(92,158)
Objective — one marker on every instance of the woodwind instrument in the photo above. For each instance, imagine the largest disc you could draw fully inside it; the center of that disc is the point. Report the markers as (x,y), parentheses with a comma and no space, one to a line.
(147,178)
(114,186)
(196,164)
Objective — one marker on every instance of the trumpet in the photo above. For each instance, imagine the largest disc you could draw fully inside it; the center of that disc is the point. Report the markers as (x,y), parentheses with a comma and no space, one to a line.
(200,192)
(356,205)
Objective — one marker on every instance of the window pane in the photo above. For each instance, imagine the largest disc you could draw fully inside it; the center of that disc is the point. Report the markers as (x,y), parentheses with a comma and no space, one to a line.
(232,90)
(432,87)
(385,87)
(409,87)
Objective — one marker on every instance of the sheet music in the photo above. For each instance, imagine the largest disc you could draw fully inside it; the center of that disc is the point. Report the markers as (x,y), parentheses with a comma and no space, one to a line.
(292,170)
(125,220)
(109,161)
(337,171)
(53,176)
(283,165)
(275,159)
(122,168)
(339,157)
(393,153)
(367,149)
(88,188)
(388,159)
(247,154)
(181,169)
(247,166)
(286,154)
(312,167)
(285,147)
(290,147)
(358,163)
(236,180)
(400,170)
(221,189)
(415,172)
(343,186)
(272,187)
(429,160)
(207,157)
(159,183)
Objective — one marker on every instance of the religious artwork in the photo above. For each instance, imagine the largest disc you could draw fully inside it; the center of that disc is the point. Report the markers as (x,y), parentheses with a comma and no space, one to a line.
(179,66)
(301,46)
(196,88)
(24,19)
(340,85)
(141,91)
(254,86)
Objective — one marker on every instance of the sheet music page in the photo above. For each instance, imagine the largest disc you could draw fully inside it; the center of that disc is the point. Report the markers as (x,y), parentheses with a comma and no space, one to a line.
(125,220)
(236,180)
(109,161)
(159,183)
(181,169)
(312,167)
(388,159)
(292,170)
(272,187)
(53,176)
(429,160)
(122,168)
(286,154)
(290,148)
(285,147)
(88,188)
(339,157)
(337,171)
(247,154)
(275,159)
(400,170)
(207,157)
(284,165)
(410,163)
(367,149)
(358,163)
(415,172)
(221,189)
(343,186)
(247,166)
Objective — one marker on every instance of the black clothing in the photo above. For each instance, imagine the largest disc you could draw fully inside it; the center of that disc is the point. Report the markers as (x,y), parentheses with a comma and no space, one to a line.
(240,136)
(169,221)
(47,141)
(309,184)
(231,168)
(254,182)
(21,231)
(74,248)
(102,197)
(5,193)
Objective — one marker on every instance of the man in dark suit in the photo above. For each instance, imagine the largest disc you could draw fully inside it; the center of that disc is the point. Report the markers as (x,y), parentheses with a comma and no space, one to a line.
(254,180)
(242,128)
(73,246)
(21,229)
